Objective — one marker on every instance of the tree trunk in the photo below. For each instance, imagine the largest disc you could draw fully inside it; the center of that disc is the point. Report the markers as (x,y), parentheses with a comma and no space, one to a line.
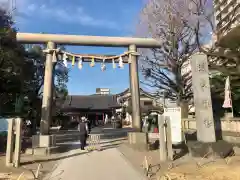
(184,109)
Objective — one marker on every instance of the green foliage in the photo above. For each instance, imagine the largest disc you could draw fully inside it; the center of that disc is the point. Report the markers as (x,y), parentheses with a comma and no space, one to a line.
(12,65)
(22,74)
(35,89)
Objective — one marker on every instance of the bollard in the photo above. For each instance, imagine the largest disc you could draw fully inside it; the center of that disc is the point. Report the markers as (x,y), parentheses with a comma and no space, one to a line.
(162,138)
(18,142)
(10,140)
(169,138)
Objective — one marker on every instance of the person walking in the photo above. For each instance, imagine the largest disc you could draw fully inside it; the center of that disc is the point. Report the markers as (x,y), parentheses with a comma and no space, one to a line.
(83,129)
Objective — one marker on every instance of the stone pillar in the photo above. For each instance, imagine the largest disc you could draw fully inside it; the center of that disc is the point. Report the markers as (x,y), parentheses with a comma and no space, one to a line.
(130,90)
(10,141)
(202,98)
(47,92)
(18,142)
(134,86)
(162,138)
(130,83)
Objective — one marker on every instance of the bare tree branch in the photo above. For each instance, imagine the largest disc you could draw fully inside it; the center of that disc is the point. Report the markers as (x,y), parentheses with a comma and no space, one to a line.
(167,21)
(184,27)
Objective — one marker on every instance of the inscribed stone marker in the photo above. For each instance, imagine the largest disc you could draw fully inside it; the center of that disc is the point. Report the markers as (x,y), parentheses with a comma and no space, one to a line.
(202,98)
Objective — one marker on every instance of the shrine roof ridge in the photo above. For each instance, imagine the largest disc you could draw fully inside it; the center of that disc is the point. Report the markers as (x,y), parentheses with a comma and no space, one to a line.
(82,40)
(141,91)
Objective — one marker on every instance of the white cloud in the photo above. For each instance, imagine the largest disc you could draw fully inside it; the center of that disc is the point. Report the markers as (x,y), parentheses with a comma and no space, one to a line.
(5,4)
(12,4)
(71,15)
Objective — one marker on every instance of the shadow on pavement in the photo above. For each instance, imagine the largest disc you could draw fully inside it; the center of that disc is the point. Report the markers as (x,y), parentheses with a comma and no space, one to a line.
(66,147)
(53,159)
(70,147)
(104,147)
(105,133)
(113,141)
(110,146)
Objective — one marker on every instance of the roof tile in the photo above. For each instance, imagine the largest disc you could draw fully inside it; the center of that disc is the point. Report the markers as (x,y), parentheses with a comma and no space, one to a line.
(93,102)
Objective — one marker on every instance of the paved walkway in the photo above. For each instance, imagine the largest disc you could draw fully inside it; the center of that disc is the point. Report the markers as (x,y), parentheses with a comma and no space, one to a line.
(96,165)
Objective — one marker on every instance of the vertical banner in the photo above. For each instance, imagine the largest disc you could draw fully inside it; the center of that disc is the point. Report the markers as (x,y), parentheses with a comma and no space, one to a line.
(227,98)
(202,98)
(176,126)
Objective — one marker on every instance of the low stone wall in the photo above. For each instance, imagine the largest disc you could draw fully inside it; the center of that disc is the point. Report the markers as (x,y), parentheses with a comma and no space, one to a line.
(230,125)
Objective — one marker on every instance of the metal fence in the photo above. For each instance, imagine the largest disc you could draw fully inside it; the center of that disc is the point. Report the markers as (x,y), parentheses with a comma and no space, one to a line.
(94,142)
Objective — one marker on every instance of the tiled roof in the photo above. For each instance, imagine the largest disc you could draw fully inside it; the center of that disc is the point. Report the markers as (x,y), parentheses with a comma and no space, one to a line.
(142,92)
(93,102)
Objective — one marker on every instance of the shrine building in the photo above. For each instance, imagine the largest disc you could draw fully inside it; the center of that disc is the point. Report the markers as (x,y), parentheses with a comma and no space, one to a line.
(102,103)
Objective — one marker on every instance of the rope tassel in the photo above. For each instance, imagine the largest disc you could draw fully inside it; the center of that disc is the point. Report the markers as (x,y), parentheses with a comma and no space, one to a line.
(65,57)
(114,64)
(73,60)
(80,65)
(121,65)
(103,66)
(54,58)
(92,64)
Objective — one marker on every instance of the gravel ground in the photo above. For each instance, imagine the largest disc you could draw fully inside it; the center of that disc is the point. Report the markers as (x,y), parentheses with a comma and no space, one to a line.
(184,168)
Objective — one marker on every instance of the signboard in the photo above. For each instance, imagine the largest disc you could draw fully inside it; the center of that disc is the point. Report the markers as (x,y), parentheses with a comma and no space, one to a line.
(176,126)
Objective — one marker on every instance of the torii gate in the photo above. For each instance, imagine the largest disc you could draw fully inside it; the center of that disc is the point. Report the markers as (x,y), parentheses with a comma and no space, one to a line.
(53,39)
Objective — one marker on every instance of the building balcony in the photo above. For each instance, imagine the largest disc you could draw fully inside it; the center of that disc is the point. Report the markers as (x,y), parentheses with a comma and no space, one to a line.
(230,39)
(225,6)
(227,16)
(229,33)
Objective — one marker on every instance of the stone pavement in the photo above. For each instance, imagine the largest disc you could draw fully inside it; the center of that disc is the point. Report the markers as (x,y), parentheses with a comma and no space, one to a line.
(97,165)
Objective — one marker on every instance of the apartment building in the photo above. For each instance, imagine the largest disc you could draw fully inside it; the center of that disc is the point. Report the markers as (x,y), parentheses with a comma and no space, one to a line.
(103,91)
(227,19)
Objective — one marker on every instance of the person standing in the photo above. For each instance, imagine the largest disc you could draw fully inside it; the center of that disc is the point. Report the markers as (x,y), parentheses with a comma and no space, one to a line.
(83,129)
(83,118)
(89,123)
(106,119)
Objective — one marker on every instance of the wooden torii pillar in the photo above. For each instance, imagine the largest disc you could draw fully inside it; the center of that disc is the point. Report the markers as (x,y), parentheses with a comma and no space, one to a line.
(53,39)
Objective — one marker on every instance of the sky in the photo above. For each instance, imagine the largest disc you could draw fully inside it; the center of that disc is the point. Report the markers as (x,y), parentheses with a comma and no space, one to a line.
(83,17)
